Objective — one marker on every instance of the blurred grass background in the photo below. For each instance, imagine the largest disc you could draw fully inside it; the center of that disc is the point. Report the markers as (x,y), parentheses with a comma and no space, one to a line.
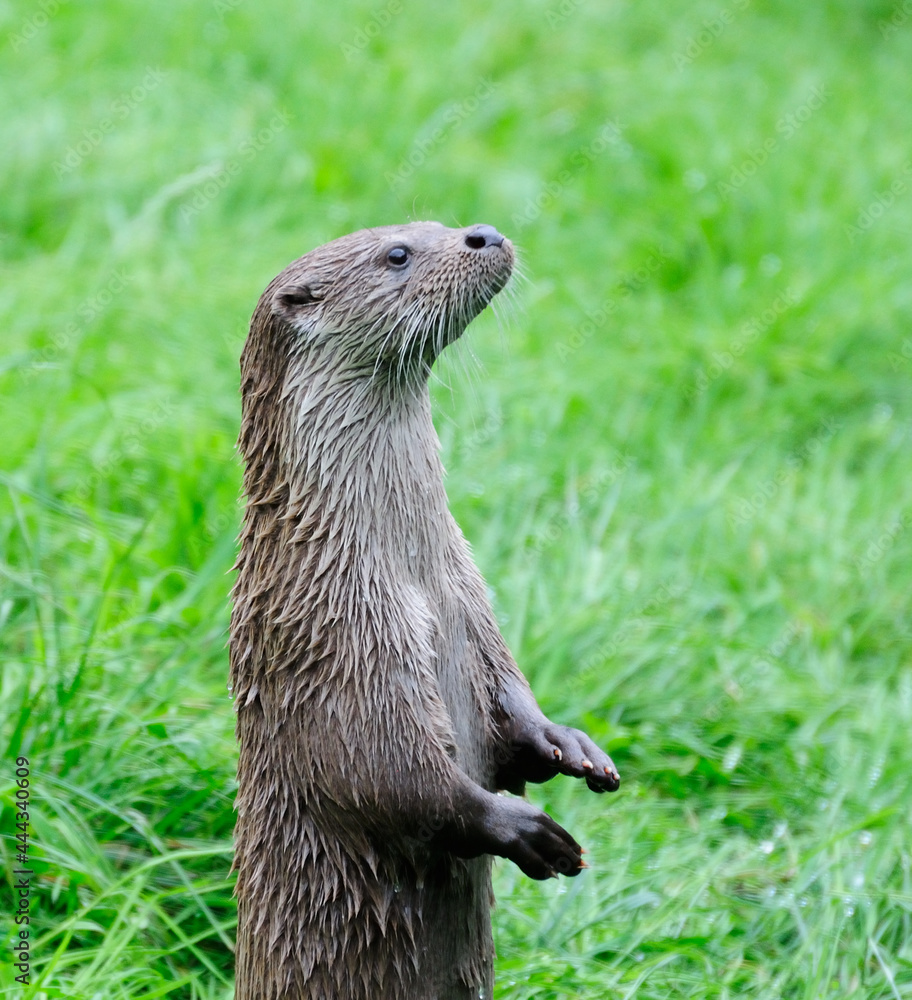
(683,462)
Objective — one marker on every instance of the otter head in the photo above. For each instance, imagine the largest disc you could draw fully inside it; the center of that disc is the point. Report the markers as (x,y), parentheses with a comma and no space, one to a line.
(386,301)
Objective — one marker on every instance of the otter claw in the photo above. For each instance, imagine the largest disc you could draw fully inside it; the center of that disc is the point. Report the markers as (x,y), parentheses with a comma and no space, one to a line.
(558,754)
(587,764)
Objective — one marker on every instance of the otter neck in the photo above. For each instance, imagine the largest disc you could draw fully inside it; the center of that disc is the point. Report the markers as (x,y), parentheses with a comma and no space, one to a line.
(359,463)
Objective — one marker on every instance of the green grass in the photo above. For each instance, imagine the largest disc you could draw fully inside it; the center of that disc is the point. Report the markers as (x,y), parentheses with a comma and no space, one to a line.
(684,464)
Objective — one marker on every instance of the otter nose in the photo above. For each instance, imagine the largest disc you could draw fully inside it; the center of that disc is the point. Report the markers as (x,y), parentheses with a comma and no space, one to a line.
(483,236)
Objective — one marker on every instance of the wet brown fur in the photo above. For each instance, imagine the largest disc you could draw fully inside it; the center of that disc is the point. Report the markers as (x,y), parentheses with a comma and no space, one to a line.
(378,708)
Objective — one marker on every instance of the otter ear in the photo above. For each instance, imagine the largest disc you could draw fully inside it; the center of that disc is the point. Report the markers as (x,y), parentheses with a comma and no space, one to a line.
(289,300)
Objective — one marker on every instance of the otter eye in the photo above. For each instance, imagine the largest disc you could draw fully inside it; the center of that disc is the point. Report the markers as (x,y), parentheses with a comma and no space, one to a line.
(398,256)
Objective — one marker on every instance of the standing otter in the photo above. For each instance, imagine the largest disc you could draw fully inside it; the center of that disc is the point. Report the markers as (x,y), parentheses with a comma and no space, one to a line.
(378,707)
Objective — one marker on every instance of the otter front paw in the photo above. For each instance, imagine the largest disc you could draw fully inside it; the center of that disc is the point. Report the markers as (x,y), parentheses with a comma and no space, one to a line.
(541,750)
(532,840)
(578,756)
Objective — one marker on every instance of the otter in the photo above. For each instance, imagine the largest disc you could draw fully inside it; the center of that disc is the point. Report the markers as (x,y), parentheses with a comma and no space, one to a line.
(379,710)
